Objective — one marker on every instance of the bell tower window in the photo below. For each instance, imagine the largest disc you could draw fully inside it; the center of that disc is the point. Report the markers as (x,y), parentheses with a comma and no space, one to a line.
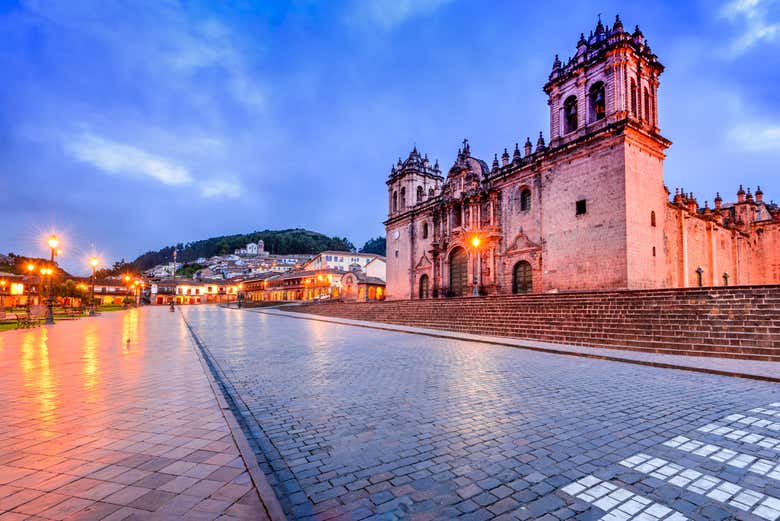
(634,110)
(403,198)
(395,201)
(419,194)
(647,106)
(570,114)
(598,103)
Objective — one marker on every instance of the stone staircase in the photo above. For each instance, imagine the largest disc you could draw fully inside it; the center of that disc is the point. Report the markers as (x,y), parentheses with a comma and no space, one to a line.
(732,322)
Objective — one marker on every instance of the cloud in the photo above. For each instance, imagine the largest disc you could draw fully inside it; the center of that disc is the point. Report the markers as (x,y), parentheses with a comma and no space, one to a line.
(389,14)
(756,137)
(756,18)
(210,46)
(119,158)
(220,188)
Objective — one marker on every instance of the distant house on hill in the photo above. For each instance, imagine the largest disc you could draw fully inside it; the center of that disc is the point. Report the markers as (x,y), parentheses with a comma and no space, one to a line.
(252,249)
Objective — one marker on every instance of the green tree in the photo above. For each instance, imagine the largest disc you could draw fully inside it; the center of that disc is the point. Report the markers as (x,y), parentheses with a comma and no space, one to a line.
(377,246)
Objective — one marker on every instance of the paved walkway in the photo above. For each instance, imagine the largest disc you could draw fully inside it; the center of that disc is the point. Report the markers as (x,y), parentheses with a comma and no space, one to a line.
(113,418)
(357,423)
(769,371)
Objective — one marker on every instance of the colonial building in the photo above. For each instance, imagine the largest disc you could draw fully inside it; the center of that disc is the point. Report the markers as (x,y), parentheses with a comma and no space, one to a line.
(589,210)
(341,260)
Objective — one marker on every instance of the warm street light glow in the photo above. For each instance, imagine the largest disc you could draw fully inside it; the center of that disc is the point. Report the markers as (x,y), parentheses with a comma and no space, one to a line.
(475,241)
(93,262)
(127,278)
(53,242)
(31,267)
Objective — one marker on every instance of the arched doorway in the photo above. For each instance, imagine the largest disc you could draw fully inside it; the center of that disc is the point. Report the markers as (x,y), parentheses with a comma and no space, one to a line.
(522,279)
(459,277)
(424,286)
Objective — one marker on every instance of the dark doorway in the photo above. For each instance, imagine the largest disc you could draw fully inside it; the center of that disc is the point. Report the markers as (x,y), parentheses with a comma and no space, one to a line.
(424,286)
(522,279)
(459,277)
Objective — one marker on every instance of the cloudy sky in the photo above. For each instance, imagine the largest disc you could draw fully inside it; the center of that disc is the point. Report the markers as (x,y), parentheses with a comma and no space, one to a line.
(129,125)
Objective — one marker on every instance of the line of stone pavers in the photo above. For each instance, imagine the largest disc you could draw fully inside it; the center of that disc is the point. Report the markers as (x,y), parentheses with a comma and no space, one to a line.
(735,322)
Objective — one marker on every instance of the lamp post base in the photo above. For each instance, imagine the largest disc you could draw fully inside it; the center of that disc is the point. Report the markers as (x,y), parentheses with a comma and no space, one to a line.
(50,314)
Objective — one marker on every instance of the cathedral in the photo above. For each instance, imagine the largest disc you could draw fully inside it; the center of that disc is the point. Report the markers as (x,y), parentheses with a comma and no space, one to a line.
(587,211)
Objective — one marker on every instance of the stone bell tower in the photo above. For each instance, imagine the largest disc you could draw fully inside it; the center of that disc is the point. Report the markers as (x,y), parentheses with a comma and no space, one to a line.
(604,124)
(613,76)
(411,185)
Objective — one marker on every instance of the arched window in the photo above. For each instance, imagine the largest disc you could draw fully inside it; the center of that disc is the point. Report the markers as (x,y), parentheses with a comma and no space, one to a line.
(423,293)
(652,110)
(425,230)
(570,114)
(430,193)
(647,105)
(420,194)
(403,198)
(395,201)
(525,200)
(633,98)
(522,278)
(457,217)
(598,102)
(652,218)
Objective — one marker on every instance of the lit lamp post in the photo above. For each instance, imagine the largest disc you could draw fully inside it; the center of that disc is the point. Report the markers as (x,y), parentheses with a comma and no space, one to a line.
(173,298)
(53,243)
(94,263)
(30,271)
(129,289)
(475,241)
(2,293)
(138,285)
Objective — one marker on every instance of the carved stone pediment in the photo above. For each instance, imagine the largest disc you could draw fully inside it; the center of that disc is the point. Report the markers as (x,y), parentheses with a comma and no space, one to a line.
(424,262)
(522,243)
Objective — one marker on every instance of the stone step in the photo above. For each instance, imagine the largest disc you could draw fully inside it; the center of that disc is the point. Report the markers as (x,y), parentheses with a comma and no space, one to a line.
(741,322)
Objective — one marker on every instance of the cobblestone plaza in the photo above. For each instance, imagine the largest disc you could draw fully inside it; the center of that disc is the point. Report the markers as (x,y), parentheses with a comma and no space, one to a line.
(355,423)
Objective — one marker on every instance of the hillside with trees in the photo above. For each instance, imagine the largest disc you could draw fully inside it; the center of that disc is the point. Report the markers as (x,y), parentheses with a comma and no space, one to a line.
(277,242)
(377,246)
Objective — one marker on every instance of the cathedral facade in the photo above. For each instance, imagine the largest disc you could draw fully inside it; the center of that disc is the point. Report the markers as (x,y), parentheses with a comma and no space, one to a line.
(588,210)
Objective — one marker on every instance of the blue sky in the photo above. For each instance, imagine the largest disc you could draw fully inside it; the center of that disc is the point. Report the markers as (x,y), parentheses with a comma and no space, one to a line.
(127,126)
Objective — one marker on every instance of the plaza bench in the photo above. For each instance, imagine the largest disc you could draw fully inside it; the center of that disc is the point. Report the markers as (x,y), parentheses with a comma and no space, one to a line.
(72,313)
(34,317)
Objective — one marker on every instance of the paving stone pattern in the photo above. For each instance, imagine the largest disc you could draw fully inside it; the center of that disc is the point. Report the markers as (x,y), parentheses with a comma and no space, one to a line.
(113,418)
(355,423)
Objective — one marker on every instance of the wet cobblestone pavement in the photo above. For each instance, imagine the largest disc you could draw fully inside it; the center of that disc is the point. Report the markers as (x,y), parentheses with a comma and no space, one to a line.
(355,423)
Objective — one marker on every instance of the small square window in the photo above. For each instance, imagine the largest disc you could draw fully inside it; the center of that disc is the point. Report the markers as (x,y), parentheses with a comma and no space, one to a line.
(582,207)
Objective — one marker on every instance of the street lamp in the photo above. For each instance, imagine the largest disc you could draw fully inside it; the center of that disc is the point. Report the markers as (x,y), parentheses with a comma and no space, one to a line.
(30,271)
(137,285)
(2,293)
(94,263)
(475,242)
(53,244)
(173,298)
(127,293)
